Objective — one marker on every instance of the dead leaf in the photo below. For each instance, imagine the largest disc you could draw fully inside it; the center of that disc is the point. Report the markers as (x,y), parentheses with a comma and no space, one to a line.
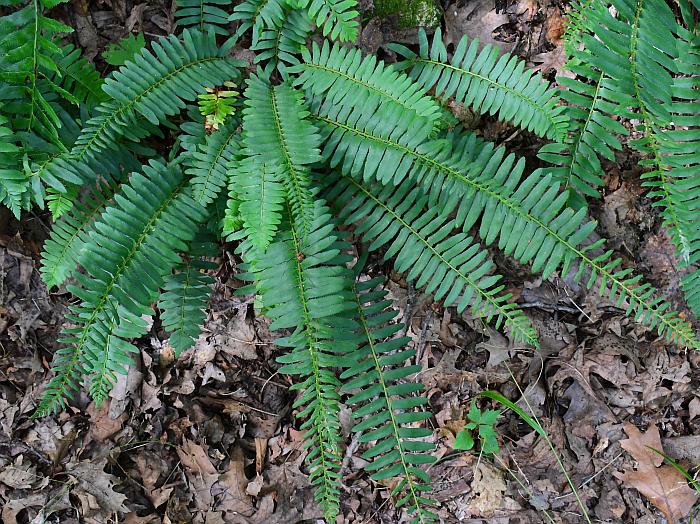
(235,498)
(664,486)
(489,487)
(476,19)
(11,508)
(200,472)
(93,480)
(102,426)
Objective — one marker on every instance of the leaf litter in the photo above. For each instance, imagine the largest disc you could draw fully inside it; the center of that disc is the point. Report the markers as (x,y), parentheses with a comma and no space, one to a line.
(211,437)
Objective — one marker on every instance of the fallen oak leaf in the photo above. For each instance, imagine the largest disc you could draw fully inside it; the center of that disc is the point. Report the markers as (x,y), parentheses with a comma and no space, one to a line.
(664,486)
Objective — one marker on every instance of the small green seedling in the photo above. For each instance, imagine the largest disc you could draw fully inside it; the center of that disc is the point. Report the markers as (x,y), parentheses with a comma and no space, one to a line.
(481,426)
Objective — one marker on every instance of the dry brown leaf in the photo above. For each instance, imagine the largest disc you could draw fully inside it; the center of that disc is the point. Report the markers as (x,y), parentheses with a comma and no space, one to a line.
(663,486)
(95,482)
(201,473)
(235,500)
(476,19)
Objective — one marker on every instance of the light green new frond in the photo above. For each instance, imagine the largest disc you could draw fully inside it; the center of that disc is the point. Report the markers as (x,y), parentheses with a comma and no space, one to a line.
(448,264)
(260,194)
(278,132)
(155,85)
(61,252)
(185,296)
(335,18)
(527,217)
(342,75)
(305,284)
(385,404)
(489,84)
(217,105)
(131,249)
(204,15)
(208,164)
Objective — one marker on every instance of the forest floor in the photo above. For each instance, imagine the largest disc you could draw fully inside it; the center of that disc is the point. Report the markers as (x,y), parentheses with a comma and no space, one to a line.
(211,437)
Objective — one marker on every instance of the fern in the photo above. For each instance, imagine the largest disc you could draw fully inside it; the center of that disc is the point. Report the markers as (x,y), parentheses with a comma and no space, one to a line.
(304,279)
(487,83)
(131,248)
(278,133)
(336,18)
(185,296)
(326,124)
(208,164)
(422,240)
(385,405)
(204,15)
(69,236)
(156,86)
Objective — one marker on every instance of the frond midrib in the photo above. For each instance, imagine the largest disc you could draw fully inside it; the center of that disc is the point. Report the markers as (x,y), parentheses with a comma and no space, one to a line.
(654,310)
(199,195)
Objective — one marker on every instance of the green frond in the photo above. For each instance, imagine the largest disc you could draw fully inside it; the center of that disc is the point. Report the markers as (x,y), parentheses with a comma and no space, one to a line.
(591,136)
(28,57)
(278,132)
(279,45)
(385,404)
(258,15)
(528,217)
(208,164)
(79,78)
(343,75)
(155,85)
(132,247)
(305,284)
(60,203)
(336,18)
(185,295)
(204,15)
(260,195)
(69,235)
(427,248)
(488,84)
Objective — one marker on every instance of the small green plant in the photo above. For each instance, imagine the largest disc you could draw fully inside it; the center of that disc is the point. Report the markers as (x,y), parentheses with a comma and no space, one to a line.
(482,428)
(316,156)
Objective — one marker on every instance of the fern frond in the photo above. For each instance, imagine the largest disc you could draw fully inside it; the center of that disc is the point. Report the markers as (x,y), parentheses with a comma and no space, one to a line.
(69,234)
(335,18)
(592,134)
(204,15)
(488,84)
(528,217)
(260,195)
(279,45)
(185,296)
(342,75)
(130,250)
(217,104)
(278,132)
(79,78)
(27,55)
(384,403)
(208,164)
(258,15)
(426,247)
(155,85)
(305,284)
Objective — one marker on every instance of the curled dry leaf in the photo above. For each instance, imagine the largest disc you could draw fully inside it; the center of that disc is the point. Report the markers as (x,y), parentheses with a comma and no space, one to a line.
(662,485)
